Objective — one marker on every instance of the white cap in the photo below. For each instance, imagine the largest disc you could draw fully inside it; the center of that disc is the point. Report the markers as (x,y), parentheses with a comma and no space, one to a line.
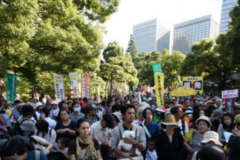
(211,136)
(54,102)
(204,118)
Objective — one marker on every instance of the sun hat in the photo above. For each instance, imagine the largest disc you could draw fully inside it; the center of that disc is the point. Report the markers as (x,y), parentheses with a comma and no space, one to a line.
(170,120)
(211,136)
(204,118)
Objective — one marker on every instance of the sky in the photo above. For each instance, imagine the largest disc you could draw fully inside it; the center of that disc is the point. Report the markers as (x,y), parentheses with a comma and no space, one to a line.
(169,12)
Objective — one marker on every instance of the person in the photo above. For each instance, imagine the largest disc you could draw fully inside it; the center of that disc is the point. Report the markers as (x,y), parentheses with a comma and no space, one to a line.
(211,152)
(46,132)
(151,128)
(84,147)
(178,114)
(139,142)
(151,153)
(17,149)
(45,116)
(16,111)
(226,125)
(117,118)
(169,144)
(234,141)
(209,137)
(194,137)
(65,127)
(54,112)
(101,131)
(91,115)
(76,114)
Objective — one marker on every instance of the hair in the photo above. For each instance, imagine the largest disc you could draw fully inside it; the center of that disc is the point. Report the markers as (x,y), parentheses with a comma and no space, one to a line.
(116,107)
(64,141)
(46,111)
(81,121)
(126,107)
(27,110)
(225,127)
(85,99)
(15,146)
(42,126)
(56,156)
(145,112)
(211,152)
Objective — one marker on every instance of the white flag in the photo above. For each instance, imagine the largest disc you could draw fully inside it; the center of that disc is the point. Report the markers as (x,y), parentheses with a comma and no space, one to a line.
(59,87)
(74,83)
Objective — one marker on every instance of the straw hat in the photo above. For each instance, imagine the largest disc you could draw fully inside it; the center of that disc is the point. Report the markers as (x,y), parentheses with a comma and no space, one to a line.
(170,120)
(211,136)
(204,118)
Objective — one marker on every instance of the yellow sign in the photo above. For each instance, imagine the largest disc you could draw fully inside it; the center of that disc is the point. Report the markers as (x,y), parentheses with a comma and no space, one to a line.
(159,88)
(195,83)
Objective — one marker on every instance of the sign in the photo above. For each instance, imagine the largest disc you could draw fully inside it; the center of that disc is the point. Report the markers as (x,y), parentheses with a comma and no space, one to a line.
(195,83)
(74,83)
(59,87)
(227,94)
(159,88)
(157,68)
(86,85)
(11,82)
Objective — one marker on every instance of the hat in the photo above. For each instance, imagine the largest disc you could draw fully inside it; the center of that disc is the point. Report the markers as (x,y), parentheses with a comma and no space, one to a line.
(170,120)
(204,118)
(211,136)
(108,118)
(118,115)
(237,118)
(55,102)
(27,126)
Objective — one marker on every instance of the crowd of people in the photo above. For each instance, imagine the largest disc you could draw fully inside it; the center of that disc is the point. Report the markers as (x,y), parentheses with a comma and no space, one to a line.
(120,128)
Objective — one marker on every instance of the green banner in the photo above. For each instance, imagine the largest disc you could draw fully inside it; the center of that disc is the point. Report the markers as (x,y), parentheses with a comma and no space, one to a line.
(11,81)
(157,68)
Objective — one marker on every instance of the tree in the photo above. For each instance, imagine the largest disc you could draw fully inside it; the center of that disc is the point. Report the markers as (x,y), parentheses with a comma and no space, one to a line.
(112,50)
(132,48)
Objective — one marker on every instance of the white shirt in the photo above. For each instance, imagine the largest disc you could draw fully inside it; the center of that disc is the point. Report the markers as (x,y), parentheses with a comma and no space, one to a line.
(180,126)
(51,122)
(100,134)
(50,136)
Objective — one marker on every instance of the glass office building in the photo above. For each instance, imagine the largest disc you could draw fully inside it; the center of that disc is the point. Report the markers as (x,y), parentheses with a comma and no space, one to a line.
(185,34)
(227,7)
(151,36)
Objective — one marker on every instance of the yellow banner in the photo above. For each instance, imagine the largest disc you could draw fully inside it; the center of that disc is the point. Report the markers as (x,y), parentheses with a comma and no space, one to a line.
(195,83)
(159,88)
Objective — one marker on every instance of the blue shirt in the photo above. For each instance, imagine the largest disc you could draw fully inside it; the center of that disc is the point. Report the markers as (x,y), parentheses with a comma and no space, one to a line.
(153,128)
(32,156)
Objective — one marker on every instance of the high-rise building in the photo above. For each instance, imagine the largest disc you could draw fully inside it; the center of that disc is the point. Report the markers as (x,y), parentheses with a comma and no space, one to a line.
(185,34)
(151,36)
(227,7)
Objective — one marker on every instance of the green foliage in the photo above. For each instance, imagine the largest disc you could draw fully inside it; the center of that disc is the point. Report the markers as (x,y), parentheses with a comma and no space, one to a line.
(112,50)
(132,48)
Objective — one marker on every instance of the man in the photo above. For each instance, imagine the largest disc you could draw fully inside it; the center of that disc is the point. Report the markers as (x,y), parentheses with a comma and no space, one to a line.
(54,110)
(178,114)
(138,142)
(101,131)
(91,115)
(45,116)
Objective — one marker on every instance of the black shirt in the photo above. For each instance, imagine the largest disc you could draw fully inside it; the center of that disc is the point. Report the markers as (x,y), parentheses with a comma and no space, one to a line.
(234,146)
(167,150)
(60,125)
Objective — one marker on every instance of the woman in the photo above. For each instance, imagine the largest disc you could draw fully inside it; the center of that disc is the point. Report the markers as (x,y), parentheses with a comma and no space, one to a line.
(194,137)
(169,143)
(84,147)
(226,125)
(45,132)
(76,114)
(65,127)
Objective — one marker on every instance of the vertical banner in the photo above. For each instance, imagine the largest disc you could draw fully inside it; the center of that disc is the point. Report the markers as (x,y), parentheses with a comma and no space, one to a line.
(83,86)
(11,82)
(88,86)
(59,87)
(74,83)
(159,88)
(159,83)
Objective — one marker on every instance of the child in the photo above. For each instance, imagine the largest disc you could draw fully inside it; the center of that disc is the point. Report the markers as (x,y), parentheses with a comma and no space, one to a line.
(151,152)
(128,148)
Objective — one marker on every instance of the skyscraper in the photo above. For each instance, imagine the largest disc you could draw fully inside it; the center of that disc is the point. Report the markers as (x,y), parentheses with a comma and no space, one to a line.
(188,32)
(227,7)
(151,36)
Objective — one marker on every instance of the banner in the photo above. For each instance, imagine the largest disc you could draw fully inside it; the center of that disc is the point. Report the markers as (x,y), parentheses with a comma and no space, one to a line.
(195,83)
(227,94)
(157,68)
(11,82)
(159,88)
(74,83)
(86,85)
(59,87)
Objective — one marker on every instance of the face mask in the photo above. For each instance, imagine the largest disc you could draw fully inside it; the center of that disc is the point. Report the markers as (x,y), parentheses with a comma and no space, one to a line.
(77,109)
